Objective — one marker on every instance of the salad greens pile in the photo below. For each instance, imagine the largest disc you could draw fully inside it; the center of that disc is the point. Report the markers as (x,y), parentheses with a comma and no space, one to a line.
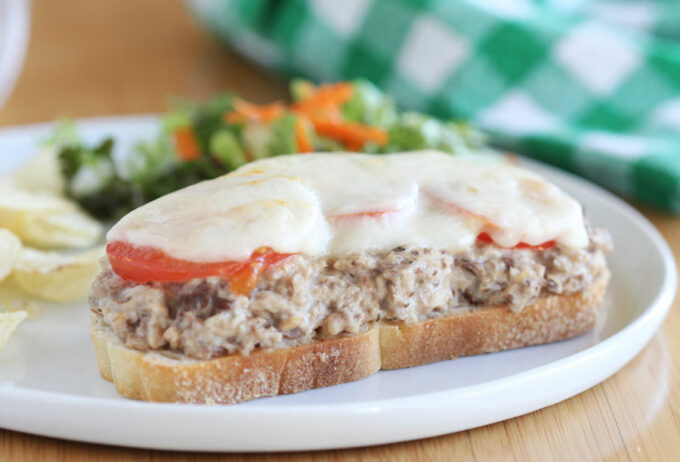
(200,141)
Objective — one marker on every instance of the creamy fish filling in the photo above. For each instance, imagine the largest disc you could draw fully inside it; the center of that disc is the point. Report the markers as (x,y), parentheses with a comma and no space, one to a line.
(304,298)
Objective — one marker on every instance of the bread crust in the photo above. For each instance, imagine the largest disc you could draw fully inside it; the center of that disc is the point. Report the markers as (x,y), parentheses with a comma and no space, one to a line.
(167,377)
(153,376)
(491,329)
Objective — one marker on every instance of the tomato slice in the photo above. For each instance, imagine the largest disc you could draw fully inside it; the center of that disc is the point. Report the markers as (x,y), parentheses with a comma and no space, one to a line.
(486,223)
(149,264)
(461,211)
(367,213)
(484,237)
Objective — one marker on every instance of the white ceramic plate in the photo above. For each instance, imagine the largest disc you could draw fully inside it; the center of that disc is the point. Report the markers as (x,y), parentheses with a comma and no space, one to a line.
(49,384)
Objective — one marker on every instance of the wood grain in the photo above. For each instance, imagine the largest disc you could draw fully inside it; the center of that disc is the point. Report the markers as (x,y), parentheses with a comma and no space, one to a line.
(89,58)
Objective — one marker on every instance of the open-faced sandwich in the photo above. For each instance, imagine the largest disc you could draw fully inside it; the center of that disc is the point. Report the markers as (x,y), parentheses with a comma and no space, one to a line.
(304,271)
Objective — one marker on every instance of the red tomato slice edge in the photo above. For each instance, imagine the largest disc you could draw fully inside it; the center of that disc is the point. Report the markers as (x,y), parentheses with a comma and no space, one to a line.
(366,214)
(149,264)
(484,237)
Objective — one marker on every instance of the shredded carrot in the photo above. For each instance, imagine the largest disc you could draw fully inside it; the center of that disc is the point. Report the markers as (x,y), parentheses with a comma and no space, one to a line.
(322,106)
(186,144)
(351,134)
(330,113)
(304,143)
(328,97)
(246,112)
(354,146)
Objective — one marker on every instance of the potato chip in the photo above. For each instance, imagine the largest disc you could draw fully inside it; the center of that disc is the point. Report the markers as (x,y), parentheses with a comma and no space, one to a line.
(10,248)
(41,172)
(45,220)
(14,199)
(56,276)
(32,309)
(8,323)
(62,230)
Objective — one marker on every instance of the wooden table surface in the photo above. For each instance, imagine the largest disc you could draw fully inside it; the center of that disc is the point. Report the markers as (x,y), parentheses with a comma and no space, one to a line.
(89,58)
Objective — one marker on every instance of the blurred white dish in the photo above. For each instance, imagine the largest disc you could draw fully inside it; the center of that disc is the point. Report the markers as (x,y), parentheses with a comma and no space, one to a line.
(14,31)
(49,383)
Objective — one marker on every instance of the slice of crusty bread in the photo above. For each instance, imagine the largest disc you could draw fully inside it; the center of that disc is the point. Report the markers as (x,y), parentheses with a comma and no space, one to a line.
(231,379)
(167,377)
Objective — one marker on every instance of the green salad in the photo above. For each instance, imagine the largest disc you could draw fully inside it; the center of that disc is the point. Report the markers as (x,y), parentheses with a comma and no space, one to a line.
(200,141)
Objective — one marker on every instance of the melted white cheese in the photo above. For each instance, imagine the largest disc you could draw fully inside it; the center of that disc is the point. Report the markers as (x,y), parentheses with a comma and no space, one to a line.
(335,204)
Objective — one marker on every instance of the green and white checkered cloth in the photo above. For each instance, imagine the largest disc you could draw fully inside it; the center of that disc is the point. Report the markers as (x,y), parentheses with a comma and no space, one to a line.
(591,86)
